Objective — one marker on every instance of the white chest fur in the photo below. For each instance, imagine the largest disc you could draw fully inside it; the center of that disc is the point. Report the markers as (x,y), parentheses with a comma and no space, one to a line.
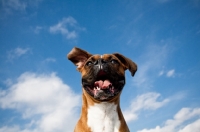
(103,117)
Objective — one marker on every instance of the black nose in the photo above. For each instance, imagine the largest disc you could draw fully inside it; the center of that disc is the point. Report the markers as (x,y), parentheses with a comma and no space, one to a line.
(100,63)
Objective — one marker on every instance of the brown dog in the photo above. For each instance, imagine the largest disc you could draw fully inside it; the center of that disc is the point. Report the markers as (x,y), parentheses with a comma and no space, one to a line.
(102,82)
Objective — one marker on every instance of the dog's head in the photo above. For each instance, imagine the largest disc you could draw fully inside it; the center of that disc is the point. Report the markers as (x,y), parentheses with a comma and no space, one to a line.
(103,76)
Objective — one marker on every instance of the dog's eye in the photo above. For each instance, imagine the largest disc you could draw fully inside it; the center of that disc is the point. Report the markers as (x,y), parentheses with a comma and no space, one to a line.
(114,61)
(89,63)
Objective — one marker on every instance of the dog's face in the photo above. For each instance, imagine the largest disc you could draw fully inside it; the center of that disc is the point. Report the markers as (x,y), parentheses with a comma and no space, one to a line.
(102,75)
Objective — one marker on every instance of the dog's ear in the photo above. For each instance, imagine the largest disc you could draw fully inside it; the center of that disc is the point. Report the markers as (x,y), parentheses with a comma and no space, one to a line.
(78,57)
(129,64)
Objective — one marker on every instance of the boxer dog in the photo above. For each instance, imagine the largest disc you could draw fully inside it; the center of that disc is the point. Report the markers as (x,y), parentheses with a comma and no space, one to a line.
(103,78)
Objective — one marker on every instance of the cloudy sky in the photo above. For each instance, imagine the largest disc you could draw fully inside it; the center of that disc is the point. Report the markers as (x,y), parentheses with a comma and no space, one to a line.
(40,90)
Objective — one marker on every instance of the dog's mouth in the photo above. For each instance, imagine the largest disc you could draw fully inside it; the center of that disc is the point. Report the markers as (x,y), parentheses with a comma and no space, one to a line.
(104,87)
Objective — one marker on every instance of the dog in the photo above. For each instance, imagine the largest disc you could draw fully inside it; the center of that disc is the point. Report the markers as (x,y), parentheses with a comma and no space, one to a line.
(103,78)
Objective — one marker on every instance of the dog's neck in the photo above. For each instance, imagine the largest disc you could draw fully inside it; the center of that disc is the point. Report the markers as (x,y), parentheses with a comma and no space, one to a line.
(102,116)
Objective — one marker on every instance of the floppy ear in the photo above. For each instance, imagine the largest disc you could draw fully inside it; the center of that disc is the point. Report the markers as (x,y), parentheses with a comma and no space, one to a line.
(78,57)
(129,64)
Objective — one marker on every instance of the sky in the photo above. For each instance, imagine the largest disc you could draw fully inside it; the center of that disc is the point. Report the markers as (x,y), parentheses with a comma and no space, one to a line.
(40,89)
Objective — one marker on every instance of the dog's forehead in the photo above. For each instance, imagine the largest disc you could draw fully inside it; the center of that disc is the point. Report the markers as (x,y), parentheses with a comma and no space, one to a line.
(103,56)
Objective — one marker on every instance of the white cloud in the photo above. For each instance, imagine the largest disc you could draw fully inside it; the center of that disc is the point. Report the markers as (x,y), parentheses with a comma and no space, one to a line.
(153,59)
(192,127)
(50,60)
(179,121)
(147,101)
(170,73)
(10,6)
(68,27)
(161,73)
(18,52)
(10,129)
(14,4)
(37,29)
(167,73)
(45,101)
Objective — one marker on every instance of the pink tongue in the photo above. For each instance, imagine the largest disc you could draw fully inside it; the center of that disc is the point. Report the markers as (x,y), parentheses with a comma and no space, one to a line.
(103,84)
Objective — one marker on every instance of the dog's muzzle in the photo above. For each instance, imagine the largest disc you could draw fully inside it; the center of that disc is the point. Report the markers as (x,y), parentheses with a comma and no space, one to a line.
(102,81)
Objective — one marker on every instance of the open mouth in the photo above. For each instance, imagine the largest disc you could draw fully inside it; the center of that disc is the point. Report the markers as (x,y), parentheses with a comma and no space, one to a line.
(104,88)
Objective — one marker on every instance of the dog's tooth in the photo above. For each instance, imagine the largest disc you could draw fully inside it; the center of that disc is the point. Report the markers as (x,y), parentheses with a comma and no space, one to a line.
(98,88)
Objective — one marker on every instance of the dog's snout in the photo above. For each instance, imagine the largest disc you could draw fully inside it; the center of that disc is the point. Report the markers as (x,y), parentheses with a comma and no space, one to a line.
(100,63)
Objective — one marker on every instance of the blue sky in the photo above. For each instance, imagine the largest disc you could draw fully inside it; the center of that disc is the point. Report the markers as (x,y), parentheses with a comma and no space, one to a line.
(40,90)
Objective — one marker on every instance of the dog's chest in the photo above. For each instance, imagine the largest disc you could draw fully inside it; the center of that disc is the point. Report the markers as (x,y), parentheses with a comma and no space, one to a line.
(103,117)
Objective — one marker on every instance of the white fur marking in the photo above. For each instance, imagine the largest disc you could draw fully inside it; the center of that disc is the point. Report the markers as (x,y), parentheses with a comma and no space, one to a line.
(103,117)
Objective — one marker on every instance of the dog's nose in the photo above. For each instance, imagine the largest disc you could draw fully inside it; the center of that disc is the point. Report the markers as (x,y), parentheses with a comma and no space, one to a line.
(100,63)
